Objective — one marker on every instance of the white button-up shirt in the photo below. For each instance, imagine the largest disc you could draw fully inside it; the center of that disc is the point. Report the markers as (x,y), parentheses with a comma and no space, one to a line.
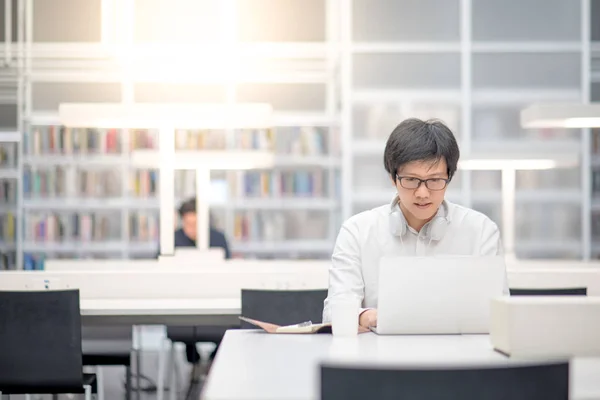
(366,237)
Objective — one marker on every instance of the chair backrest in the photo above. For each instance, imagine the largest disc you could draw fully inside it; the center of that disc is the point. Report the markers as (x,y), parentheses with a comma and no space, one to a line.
(549,381)
(282,307)
(575,291)
(40,341)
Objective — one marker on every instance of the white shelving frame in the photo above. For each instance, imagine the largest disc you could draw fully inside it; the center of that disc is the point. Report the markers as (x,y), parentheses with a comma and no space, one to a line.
(468,96)
(330,63)
(95,62)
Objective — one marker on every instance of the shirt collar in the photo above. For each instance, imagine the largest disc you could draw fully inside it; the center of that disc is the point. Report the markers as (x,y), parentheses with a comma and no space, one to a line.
(443,210)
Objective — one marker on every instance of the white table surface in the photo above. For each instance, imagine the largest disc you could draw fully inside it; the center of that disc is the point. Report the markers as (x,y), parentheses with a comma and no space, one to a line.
(256,365)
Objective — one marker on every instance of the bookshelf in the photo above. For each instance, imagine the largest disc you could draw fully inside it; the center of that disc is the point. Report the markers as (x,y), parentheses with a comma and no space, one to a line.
(594,95)
(462,65)
(255,208)
(339,82)
(108,208)
(9,213)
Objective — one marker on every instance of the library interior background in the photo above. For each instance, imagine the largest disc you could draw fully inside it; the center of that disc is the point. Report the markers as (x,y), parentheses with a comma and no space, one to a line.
(339,75)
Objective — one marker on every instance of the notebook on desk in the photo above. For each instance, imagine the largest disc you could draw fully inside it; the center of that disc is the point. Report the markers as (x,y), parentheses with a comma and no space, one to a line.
(303,327)
(438,295)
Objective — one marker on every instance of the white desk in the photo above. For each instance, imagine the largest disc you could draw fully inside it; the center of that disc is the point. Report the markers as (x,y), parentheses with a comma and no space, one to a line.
(161,311)
(255,365)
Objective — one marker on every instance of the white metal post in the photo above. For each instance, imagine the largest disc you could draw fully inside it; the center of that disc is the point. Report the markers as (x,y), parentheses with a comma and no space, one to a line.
(7,32)
(166,148)
(586,164)
(332,40)
(126,33)
(346,108)
(21,126)
(466,96)
(229,37)
(508,211)
(202,209)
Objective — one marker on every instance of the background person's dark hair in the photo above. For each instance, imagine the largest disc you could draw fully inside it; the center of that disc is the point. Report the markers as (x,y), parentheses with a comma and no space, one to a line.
(417,140)
(189,206)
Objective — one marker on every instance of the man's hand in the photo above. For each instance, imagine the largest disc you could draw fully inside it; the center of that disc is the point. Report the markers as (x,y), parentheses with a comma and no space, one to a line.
(368,318)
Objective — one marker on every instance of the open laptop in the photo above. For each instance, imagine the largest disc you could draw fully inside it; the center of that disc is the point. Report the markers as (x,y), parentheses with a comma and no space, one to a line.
(438,295)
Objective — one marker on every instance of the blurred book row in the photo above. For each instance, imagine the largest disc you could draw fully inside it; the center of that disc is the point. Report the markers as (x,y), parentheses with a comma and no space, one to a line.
(277,184)
(51,140)
(61,140)
(89,227)
(239,184)
(276,226)
(57,182)
(143,226)
(79,227)
(288,140)
(62,181)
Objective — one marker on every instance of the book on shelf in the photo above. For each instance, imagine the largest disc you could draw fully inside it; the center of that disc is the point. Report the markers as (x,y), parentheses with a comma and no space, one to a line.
(143,139)
(7,259)
(33,262)
(144,183)
(8,192)
(8,223)
(596,182)
(8,155)
(596,141)
(143,226)
(59,181)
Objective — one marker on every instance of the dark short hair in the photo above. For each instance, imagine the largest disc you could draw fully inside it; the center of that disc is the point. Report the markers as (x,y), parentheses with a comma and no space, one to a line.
(417,140)
(188,206)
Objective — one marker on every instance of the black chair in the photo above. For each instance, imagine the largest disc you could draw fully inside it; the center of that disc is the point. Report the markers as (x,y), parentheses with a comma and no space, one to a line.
(547,381)
(40,344)
(575,291)
(282,307)
(109,346)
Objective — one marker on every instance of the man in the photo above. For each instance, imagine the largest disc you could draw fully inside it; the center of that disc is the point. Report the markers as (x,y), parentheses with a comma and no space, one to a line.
(420,158)
(186,237)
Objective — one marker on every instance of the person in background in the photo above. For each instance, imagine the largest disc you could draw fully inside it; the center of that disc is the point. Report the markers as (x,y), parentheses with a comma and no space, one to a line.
(420,159)
(186,237)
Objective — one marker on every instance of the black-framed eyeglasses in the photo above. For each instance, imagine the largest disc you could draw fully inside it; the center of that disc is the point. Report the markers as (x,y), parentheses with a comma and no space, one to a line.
(412,183)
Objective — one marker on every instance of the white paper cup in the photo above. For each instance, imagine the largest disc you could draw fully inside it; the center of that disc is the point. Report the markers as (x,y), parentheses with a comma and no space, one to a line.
(344,316)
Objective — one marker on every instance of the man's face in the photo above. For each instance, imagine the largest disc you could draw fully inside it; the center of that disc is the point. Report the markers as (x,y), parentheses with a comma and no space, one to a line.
(188,224)
(421,203)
